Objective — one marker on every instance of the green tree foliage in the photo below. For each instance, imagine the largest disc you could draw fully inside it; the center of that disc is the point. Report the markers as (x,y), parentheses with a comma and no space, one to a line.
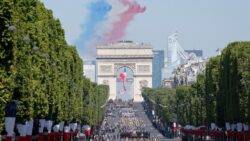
(40,70)
(95,99)
(211,89)
(163,101)
(234,82)
(219,95)
(6,46)
(100,100)
(198,100)
(183,107)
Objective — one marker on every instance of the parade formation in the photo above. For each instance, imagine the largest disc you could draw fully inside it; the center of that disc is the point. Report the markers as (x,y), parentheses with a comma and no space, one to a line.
(126,120)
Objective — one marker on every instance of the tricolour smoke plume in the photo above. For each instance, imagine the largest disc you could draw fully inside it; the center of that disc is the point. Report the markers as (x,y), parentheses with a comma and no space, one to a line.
(97,13)
(106,22)
(112,16)
(119,27)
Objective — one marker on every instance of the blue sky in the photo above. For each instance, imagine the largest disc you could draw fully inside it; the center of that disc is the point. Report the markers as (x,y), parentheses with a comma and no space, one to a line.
(202,24)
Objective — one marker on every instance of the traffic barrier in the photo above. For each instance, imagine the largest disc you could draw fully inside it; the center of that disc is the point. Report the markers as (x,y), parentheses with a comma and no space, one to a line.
(51,136)
(7,138)
(29,137)
(24,138)
(58,136)
(66,136)
(202,133)
(216,135)
(41,137)
(231,135)
(73,135)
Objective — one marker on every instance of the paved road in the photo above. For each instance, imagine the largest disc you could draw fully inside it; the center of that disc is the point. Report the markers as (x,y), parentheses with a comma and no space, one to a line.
(154,133)
(114,117)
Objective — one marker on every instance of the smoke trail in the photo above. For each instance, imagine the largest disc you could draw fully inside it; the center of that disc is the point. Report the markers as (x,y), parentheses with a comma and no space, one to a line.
(112,17)
(98,11)
(106,22)
(119,27)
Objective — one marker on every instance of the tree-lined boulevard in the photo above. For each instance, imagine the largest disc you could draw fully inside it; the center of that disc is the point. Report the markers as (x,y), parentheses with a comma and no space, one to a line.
(44,95)
(41,72)
(219,100)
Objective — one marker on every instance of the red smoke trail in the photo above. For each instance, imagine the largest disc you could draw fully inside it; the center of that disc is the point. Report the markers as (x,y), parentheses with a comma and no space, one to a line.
(119,27)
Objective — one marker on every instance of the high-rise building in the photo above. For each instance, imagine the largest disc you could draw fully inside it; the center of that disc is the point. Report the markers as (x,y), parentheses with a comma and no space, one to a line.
(158,64)
(175,55)
(89,69)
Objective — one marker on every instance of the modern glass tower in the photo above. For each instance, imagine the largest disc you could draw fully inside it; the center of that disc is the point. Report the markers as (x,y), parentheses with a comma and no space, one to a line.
(158,64)
(175,55)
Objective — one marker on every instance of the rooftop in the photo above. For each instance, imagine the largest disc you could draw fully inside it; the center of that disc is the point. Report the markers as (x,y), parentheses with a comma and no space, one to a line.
(126,44)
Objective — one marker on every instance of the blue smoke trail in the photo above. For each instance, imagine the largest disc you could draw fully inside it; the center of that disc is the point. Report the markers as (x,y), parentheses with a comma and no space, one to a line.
(98,11)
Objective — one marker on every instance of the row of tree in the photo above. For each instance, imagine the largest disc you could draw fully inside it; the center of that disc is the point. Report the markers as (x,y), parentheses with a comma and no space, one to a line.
(40,70)
(94,102)
(221,94)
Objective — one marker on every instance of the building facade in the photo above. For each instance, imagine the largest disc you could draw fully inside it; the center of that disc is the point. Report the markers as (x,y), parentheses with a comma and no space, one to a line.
(186,74)
(158,65)
(197,52)
(89,70)
(126,67)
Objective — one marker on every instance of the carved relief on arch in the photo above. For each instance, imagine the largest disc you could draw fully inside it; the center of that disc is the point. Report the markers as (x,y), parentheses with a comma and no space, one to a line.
(143,68)
(105,82)
(143,84)
(105,68)
(130,65)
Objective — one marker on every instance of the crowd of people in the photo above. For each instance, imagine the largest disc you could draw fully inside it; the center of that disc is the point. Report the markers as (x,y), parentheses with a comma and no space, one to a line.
(122,120)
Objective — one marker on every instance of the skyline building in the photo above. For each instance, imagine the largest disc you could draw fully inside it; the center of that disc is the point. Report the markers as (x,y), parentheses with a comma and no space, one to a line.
(89,70)
(158,65)
(186,74)
(175,55)
(179,61)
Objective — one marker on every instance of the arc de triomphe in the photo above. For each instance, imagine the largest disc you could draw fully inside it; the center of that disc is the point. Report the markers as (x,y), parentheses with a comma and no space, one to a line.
(133,59)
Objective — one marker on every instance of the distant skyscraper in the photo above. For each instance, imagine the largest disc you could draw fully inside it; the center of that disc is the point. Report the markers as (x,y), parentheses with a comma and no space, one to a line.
(175,55)
(89,69)
(172,50)
(197,52)
(158,64)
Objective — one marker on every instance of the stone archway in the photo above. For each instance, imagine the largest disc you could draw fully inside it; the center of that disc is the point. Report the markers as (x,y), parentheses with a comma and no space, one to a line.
(136,58)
